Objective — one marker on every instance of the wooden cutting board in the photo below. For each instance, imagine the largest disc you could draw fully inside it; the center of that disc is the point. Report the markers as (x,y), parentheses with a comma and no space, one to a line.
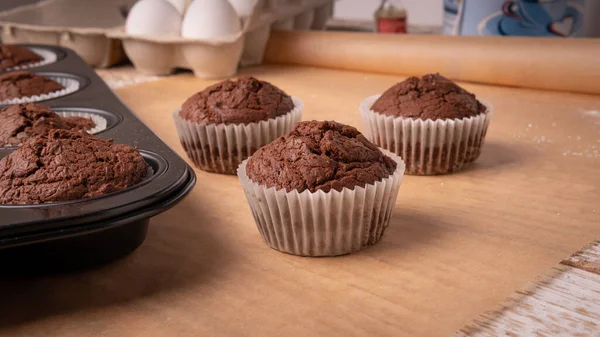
(457,244)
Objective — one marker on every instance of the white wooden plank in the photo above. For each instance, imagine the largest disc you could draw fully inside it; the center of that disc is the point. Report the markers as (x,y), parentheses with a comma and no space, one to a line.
(564,302)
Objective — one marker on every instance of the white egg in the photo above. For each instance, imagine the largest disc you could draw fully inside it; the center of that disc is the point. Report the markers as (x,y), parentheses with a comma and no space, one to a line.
(206,19)
(243,7)
(179,4)
(153,18)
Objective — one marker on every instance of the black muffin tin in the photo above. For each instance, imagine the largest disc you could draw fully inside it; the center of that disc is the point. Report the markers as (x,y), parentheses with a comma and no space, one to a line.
(96,230)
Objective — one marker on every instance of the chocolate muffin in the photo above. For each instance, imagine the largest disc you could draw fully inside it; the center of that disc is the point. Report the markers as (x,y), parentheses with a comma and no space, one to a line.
(319,156)
(21,122)
(244,101)
(225,123)
(429,97)
(321,190)
(436,126)
(65,165)
(12,56)
(19,84)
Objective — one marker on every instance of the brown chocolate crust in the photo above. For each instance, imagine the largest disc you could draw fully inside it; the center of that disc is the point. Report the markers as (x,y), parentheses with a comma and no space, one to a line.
(12,56)
(65,165)
(429,97)
(20,122)
(319,156)
(244,101)
(23,84)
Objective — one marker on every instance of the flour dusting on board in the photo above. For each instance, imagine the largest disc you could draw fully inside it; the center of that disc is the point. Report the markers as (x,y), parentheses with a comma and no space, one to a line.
(541,139)
(581,150)
(592,113)
(588,152)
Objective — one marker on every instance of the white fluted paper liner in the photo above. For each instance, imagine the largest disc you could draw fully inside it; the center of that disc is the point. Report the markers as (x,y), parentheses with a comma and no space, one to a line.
(70,85)
(98,120)
(427,147)
(221,148)
(47,55)
(323,223)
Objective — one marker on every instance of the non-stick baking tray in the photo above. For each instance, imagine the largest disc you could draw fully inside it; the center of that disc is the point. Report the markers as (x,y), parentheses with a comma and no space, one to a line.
(102,228)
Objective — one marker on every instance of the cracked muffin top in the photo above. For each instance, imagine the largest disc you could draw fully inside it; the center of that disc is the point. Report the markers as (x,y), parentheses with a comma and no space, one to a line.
(429,97)
(319,156)
(18,84)
(65,165)
(13,55)
(244,101)
(20,122)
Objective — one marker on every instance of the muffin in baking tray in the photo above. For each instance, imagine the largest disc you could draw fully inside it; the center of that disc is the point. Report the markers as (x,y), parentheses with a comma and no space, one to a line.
(321,190)
(225,123)
(21,122)
(12,56)
(19,84)
(64,165)
(436,126)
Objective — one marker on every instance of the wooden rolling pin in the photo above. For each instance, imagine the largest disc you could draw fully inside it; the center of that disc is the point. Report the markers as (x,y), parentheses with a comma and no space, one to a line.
(541,63)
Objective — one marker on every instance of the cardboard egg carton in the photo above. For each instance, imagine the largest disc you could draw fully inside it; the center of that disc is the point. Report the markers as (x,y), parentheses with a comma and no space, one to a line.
(75,24)
(95,30)
(217,58)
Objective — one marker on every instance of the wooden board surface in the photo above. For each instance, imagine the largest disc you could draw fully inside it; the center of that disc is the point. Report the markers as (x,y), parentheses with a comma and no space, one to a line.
(457,244)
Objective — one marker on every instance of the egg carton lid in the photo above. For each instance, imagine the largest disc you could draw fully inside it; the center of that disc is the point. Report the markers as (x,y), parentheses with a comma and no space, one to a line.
(285,10)
(79,25)
(84,17)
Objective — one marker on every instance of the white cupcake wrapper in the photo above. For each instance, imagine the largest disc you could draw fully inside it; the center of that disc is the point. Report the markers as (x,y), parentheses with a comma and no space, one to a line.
(100,121)
(428,147)
(221,148)
(47,55)
(323,223)
(70,85)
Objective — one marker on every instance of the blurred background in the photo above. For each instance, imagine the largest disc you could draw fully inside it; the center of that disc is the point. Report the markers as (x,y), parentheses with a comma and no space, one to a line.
(423,15)
(213,38)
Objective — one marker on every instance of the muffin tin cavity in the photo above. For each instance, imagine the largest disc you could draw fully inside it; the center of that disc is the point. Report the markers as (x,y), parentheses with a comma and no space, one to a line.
(104,120)
(49,56)
(71,84)
(157,166)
